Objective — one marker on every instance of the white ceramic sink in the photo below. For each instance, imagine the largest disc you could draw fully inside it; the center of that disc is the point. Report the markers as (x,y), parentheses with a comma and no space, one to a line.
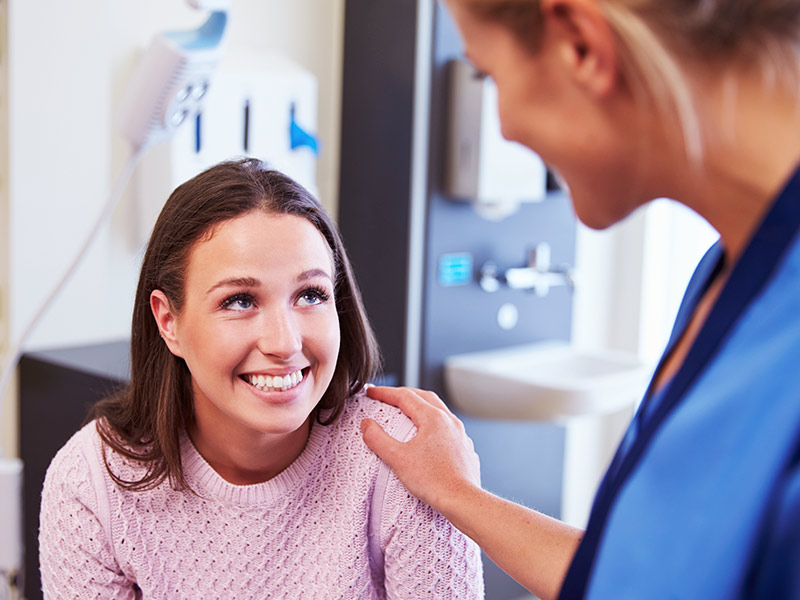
(548,381)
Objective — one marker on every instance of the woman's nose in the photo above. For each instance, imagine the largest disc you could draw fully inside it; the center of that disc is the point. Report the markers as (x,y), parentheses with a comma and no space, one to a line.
(279,335)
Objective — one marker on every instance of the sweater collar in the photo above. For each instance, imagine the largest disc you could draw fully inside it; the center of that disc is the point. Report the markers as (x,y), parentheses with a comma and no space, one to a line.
(208,484)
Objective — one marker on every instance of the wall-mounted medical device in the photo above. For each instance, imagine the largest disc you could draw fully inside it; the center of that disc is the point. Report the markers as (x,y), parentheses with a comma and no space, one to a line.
(172,78)
(482,167)
(259,104)
(167,89)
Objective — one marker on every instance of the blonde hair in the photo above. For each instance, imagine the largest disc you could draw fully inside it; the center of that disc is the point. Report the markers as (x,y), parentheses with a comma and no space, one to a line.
(656,37)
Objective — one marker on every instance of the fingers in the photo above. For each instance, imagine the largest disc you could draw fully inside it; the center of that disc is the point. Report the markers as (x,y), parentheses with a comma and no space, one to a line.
(380,442)
(411,403)
(431,398)
(409,400)
(421,406)
(438,459)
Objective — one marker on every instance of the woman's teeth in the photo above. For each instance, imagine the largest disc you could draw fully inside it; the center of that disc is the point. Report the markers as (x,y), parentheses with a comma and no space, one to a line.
(277,383)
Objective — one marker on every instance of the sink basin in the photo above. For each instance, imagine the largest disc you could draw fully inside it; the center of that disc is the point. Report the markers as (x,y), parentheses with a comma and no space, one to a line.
(546,381)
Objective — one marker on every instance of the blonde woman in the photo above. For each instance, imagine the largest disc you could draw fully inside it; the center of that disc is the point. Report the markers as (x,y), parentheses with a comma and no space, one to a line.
(631,100)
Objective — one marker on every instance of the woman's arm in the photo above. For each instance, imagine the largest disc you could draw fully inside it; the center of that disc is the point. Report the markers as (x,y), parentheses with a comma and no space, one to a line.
(75,558)
(425,556)
(439,466)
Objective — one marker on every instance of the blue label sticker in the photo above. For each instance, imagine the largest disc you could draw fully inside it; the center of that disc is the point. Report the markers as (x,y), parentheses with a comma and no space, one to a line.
(455,269)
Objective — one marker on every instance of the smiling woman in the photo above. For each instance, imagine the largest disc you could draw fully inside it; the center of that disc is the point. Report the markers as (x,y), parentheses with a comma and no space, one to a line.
(233,465)
(631,100)
(259,305)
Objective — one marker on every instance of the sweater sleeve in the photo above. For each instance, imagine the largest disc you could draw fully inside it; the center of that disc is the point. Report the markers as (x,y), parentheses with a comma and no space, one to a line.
(425,556)
(75,556)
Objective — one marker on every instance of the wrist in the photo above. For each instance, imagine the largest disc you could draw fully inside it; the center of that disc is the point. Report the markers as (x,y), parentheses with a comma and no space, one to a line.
(462,506)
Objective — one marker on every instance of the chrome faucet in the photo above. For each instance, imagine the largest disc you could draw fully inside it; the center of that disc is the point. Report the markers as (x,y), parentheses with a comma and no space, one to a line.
(538,276)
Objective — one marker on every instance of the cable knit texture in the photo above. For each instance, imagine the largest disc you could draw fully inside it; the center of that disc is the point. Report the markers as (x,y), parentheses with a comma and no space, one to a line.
(336,523)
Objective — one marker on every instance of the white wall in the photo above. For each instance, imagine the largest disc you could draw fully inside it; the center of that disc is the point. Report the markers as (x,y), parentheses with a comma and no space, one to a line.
(68,66)
(629,284)
(632,276)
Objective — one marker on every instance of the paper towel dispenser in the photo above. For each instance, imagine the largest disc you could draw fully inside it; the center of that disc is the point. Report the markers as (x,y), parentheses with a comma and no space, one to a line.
(482,167)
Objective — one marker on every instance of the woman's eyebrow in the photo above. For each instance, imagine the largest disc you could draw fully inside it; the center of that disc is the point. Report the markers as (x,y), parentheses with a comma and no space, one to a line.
(311,273)
(235,282)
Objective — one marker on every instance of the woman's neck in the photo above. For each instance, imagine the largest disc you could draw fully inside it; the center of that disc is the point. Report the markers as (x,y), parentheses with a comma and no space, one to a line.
(752,146)
(245,459)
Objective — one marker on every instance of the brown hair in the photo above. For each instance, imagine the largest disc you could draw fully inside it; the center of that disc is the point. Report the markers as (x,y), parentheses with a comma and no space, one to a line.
(143,422)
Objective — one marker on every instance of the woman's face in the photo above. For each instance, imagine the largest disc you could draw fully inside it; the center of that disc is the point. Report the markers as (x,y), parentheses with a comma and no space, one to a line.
(543,106)
(259,329)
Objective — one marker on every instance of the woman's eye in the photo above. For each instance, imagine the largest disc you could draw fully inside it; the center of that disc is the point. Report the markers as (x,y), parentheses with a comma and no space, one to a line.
(313,296)
(238,302)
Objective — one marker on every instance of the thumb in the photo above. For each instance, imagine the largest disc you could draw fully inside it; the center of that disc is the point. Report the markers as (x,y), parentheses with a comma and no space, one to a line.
(380,442)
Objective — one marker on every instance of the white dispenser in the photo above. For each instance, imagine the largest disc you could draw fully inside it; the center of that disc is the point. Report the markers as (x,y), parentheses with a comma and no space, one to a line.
(482,167)
(258,105)
(11,515)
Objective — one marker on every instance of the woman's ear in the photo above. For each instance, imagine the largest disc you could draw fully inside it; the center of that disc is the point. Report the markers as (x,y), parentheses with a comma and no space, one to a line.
(166,321)
(586,44)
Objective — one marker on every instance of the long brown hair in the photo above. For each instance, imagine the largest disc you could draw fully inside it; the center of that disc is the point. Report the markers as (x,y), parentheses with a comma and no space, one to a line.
(143,422)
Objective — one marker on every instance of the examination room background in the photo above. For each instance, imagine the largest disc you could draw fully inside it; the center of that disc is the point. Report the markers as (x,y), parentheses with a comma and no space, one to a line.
(382,107)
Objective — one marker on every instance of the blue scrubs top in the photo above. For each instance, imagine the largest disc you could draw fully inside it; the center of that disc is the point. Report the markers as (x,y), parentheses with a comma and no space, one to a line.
(702,499)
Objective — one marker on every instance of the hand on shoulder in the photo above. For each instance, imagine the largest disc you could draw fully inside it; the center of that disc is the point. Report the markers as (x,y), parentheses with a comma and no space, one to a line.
(439,463)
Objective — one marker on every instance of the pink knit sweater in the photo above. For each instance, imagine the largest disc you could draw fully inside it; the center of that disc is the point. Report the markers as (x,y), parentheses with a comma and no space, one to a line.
(335,524)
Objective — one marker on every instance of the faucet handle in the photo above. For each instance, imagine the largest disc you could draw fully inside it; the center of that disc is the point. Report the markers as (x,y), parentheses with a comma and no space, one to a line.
(539,257)
(490,277)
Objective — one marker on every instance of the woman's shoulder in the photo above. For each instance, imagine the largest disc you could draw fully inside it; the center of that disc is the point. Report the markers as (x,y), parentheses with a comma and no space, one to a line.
(391,419)
(81,444)
(76,461)
(88,452)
